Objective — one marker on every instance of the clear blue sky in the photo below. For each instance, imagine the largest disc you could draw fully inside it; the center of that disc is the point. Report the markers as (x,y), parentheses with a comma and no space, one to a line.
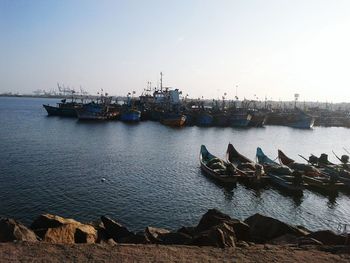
(205,48)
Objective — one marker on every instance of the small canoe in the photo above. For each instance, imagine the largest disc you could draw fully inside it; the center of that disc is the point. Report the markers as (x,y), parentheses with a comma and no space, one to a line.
(313,177)
(279,174)
(251,172)
(216,167)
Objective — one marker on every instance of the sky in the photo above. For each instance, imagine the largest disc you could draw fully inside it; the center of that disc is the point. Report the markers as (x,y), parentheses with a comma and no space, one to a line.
(255,49)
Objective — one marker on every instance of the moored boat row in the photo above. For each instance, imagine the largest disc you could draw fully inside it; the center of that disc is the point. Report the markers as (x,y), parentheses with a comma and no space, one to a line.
(287,175)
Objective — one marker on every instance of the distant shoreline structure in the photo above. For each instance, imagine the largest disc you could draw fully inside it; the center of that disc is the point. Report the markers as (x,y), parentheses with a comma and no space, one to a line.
(274,103)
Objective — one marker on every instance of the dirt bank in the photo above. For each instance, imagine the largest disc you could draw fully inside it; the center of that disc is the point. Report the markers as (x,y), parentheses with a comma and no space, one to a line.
(47,252)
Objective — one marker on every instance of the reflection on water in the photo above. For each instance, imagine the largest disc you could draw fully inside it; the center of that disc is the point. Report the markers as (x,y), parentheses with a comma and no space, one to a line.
(152,173)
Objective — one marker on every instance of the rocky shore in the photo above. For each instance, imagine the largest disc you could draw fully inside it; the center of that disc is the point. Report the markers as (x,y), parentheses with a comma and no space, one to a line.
(217,236)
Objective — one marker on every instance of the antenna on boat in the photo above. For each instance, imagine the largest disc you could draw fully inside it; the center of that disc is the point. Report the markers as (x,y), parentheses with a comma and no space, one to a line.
(161,81)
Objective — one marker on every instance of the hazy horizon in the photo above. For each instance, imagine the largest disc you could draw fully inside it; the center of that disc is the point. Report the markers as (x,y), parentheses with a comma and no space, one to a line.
(204,48)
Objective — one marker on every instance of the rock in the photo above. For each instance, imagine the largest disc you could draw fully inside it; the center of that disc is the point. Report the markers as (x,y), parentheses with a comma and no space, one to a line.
(56,229)
(176,238)
(190,231)
(154,234)
(304,230)
(218,236)
(242,244)
(114,229)
(264,228)
(214,217)
(85,234)
(328,237)
(138,238)
(308,241)
(63,234)
(286,239)
(11,230)
(46,221)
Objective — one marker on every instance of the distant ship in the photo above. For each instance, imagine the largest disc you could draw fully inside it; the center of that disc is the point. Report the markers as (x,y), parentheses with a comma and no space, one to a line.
(64,108)
(296,119)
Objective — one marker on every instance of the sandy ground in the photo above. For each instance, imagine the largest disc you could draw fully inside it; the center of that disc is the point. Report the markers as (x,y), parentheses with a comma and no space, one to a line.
(46,252)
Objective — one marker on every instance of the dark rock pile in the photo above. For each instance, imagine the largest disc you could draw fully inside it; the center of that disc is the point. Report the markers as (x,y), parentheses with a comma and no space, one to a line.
(214,229)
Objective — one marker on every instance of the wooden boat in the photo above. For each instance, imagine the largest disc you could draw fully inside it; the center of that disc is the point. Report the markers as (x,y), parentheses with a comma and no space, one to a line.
(250,171)
(313,177)
(281,175)
(336,172)
(217,168)
(173,119)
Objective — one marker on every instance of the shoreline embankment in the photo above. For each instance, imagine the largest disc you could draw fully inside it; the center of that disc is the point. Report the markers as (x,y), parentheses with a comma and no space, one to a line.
(217,236)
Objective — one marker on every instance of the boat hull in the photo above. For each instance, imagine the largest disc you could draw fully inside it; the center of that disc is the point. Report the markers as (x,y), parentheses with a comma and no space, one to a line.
(223,178)
(64,112)
(131,116)
(204,120)
(92,112)
(178,121)
(240,120)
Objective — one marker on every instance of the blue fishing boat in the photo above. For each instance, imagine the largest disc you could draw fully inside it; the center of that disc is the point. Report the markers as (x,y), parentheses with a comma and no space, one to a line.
(220,119)
(281,175)
(130,115)
(204,119)
(92,111)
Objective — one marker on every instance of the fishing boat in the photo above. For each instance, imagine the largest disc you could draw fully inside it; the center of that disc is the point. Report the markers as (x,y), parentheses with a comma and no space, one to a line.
(220,119)
(313,177)
(258,119)
(130,115)
(295,118)
(63,108)
(92,111)
(204,119)
(239,119)
(173,119)
(279,174)
(216,167)
(251,172)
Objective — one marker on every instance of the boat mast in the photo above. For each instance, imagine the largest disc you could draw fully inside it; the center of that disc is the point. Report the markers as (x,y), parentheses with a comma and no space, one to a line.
(161,81)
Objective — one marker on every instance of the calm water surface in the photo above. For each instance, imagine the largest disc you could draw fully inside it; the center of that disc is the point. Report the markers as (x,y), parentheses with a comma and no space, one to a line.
(55,165)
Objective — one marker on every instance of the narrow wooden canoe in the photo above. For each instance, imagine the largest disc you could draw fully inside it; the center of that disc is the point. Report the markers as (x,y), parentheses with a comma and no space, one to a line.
(250,171)
(313,177)
(205,157)
(281,175)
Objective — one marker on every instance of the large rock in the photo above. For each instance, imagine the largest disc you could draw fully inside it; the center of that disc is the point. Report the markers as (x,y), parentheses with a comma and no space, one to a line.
(175,238)
(56,229)
(190,231)
(214,217)
(11,230)
(155,234)
(115,230)
(328,237)
(46,221)
(264,228)
(138,238)
(221,236)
